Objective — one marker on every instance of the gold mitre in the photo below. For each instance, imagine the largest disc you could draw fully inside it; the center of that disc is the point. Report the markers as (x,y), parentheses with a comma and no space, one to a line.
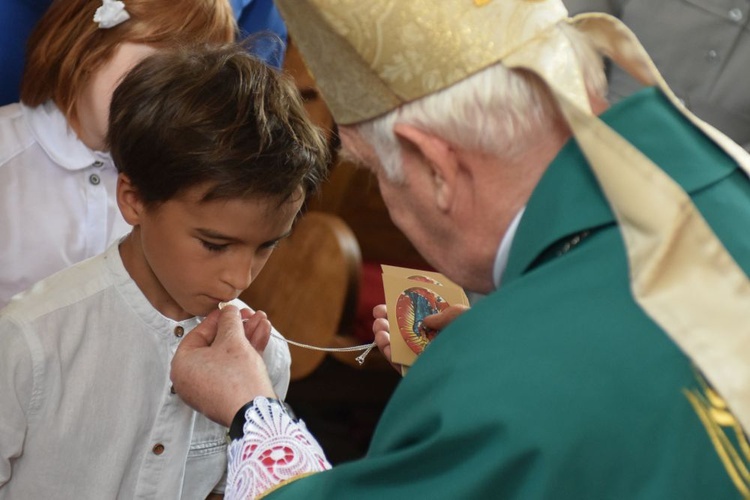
(369,57)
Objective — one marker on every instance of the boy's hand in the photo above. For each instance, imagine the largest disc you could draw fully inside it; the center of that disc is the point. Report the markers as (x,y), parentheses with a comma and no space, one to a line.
(381,327)
(216,368)
(257,328)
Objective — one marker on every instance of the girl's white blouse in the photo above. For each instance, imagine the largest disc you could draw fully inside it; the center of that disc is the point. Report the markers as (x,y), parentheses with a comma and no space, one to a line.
(57,197)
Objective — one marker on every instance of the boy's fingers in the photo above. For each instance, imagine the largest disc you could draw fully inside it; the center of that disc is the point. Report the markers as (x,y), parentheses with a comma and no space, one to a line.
(381,325)
(383,341)
(258,330)
(260,337)
(246,313)
(380,311)
(252,322)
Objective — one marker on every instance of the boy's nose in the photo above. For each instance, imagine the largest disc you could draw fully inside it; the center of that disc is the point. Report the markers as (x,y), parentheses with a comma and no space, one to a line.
(240,274)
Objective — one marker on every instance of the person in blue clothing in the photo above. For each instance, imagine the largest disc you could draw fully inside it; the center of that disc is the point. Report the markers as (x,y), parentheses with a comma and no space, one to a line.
(18,17)
(262,19)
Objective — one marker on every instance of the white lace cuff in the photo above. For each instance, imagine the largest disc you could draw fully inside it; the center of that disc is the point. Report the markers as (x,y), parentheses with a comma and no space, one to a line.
(275,448)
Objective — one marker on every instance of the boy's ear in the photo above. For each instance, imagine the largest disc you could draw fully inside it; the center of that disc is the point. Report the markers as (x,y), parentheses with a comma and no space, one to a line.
(437,155)
(129,200)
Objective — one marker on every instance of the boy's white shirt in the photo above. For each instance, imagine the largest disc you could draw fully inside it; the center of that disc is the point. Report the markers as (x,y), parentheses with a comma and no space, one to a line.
(85,394)
(58,201)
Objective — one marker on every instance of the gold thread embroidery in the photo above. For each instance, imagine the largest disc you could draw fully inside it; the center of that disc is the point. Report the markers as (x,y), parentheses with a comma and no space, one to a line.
(720,424)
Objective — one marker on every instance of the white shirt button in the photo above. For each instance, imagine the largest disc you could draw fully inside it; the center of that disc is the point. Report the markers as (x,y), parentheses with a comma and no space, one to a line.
(735,15)
(94,179)
(712,55)
(98,164)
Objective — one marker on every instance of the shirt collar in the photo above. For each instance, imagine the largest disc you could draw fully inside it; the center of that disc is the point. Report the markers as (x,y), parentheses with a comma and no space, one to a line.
(137,300)
(501,259)
(62,145)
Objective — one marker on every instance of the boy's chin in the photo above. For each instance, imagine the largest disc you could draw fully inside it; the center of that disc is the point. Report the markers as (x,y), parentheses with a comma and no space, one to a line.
(199,310)
(202,307)
(202,312)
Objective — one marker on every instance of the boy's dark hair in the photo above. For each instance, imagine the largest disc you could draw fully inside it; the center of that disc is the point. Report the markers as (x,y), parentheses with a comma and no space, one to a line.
(213,115)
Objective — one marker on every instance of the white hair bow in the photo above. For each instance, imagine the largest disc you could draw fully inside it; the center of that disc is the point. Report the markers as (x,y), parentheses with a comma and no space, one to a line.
(110,14)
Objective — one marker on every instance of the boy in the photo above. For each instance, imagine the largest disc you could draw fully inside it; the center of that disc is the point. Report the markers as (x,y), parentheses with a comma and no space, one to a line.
(216,157)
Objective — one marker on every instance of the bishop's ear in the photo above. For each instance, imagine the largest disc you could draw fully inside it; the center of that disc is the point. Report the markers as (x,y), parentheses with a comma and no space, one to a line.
(436,155)
(129,200)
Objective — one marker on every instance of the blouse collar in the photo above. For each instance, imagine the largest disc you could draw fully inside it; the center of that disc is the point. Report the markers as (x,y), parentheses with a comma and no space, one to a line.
(59,141)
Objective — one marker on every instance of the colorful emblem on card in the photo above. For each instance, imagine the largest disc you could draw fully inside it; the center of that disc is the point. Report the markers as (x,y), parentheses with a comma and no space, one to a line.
(412,306)
(411,295)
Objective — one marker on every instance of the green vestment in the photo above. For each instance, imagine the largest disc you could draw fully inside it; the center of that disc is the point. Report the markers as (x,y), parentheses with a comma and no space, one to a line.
(558,385)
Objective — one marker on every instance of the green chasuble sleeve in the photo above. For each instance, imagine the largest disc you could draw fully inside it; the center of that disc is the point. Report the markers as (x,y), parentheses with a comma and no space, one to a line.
(557,386)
